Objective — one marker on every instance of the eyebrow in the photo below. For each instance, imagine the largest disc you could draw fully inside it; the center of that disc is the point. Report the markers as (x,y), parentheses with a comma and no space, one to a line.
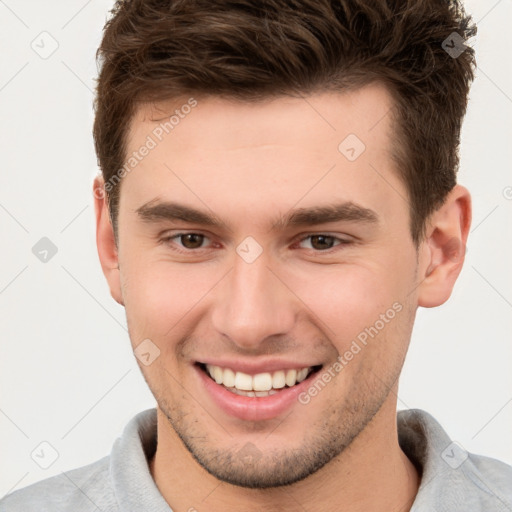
(156,210)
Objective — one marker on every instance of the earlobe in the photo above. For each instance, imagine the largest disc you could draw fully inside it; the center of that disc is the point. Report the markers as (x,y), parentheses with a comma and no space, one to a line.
(105,241)
(443,250)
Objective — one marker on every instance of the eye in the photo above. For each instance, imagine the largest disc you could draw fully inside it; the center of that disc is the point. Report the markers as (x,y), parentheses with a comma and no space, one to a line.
(322,242)
(189,241)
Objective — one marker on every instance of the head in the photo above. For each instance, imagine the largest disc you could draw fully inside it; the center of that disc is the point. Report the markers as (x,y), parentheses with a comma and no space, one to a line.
(279,192)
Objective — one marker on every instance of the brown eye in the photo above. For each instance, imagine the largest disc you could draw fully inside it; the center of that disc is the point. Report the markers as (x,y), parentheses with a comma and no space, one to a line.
(322,242)
(192,240)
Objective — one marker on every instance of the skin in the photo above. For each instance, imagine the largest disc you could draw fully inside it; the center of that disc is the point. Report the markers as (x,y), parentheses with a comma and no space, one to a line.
(248,164)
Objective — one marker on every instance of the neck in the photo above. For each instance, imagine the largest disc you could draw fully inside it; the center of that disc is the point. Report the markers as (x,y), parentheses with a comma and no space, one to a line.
(371,474)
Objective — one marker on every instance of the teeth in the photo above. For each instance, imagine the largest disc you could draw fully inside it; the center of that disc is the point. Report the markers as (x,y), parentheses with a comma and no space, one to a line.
(261,384)
(302,374)
(244,382)
(291,377)
(253,393)
(217,374)
(278,380)
(227,377)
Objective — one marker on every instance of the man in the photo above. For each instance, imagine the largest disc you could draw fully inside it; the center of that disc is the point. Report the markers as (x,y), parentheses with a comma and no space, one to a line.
(278,197)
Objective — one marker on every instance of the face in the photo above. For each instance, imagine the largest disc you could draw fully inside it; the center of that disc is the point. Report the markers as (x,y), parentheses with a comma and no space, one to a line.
(274,273)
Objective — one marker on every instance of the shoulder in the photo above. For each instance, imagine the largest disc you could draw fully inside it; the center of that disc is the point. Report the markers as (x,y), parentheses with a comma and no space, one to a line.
(452,479)
(120,481)
(493,477)
(475,482)
(81,489)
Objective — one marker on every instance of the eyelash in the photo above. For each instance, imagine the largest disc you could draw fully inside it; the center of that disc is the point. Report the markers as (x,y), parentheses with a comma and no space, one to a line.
(341,242)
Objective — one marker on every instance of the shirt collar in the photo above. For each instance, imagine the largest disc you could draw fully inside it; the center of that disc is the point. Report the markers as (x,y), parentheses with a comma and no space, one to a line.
(449,478)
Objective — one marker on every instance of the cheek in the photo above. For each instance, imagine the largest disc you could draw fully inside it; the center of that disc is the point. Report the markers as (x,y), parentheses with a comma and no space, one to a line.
(350,301)
(160,295)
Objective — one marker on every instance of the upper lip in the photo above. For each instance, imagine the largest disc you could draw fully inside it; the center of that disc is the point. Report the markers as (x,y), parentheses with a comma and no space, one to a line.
(261,366)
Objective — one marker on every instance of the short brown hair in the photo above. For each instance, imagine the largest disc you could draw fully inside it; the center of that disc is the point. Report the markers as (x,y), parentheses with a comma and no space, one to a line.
(155,50)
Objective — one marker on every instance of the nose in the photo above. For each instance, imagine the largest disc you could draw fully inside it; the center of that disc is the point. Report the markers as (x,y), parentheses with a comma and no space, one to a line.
(253,304)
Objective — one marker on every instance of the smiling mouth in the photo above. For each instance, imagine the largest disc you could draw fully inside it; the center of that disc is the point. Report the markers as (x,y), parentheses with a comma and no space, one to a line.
(259,385)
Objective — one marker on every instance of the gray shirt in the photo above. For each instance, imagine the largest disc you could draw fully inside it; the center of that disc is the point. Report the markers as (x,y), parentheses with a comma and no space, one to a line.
(452,480)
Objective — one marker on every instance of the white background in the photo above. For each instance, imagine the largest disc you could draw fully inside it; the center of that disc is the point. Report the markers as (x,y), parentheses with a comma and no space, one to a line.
(67,374)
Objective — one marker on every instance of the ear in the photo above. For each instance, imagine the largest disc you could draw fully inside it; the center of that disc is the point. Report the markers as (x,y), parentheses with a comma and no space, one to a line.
(443,250)
(105,241)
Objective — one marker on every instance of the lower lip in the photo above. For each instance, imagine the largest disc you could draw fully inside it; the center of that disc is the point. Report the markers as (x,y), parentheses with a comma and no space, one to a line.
(253,408)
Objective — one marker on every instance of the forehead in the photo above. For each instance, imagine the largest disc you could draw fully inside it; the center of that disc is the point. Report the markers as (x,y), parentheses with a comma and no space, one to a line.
(272,121)
(272,153)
